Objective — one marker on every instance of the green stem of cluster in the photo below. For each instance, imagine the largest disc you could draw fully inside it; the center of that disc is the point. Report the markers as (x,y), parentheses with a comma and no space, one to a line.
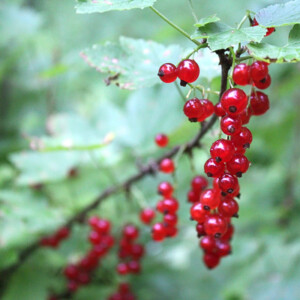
(243,20)
(204,45)
(174,25)
(239,59)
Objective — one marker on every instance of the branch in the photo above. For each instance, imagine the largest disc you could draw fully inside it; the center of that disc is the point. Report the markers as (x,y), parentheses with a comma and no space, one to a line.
(149,169)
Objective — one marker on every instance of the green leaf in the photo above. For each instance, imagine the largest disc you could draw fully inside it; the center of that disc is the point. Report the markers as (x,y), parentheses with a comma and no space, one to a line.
(281,14)
(222,36)
(100,6)
(210,19)
(131,63)
(271,53)
(294,35)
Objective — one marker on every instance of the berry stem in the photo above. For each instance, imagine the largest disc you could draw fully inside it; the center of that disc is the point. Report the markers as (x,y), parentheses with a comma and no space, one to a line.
(180,91)
(243,20)
(193,10)
(174,25)
(203,45)
(239,59)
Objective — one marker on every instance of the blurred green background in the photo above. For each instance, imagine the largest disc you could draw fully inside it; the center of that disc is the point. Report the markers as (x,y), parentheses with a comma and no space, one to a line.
(48,91)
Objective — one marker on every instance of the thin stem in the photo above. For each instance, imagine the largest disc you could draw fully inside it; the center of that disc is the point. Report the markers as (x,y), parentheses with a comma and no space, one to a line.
(243,20)
(204,45)
(233,60)
(193,10)
(238,59)
(180,91)
(174,25)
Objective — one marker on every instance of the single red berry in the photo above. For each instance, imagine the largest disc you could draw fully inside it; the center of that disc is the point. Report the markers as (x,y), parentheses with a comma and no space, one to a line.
(102,226)
(130,232)
(231,125)
(210,199)
(170,205)
(161,140)
(198,212)
(134,267)
(167,165)
(212,168)
(199,183)
(241,74)
(238,165)
(122,268)
(93,221)
(158,232)
(89,262)
(223,248)
(208,243)
(147,215)
(234,101)
(193,109)
(170,220)
(63,233)
(215,225)
(171,231)
(219,110)
(137,251)
(211,260)
(229,233)
(167,73)
(193,196)
(71,272)
(95,237)
(259,103)
(228,183)
(207,110)
(188,71)
(246,115)
(243,138)
(228,208)
(240,150)
(108,241)
(259,70)
(200,229)
(263,83)
(222,150)
(165,189)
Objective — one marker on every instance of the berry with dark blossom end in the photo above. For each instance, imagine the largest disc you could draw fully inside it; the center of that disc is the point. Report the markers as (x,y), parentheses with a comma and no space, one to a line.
(170,220)
(188,71)
(269,29)
(238,165)
(228,208)
(259,103)
(199,183)
(193,109)
(234,101)
(228,183)
(170,205)
(158,232)
(207,110)
(165,189)
(231,125)
(167,165)
(219,110)
(211,260)
(167,73)
(161,140)
(241,74)
(223,248)
(200,229)
(210,199)
(208,244)
(222,150)
(263,83)
(243,139)
(147,215)
(198,212)
(212,168)
(215,225)
(259,70)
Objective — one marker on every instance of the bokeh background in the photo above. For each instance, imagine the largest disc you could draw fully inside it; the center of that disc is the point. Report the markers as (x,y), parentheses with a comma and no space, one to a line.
(48,92)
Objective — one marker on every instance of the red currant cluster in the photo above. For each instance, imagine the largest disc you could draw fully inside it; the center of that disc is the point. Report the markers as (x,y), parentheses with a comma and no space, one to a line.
(123,293)
(187,71)
(130,253)
(54,240)
(79,274)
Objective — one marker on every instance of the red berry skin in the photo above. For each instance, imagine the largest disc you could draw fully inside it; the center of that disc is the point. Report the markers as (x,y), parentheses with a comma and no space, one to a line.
(122,269)
(124,287)
(170,220)
(170,205)
(200,229)
(223,248)
(165,189)
(263,83)
(193,109)
(269,29)
(241,74)
(243,139)
(83,278)
(161,140)
(72,286)
(88,263)
(228,208)
(222,150)
(259,70)
(193,196)
(160,206)
(130,232)
(102,226)
(208,244)
(63,233)
(228,183)
(238,165)
(207,110)
(71,272)
(158,232)
(188,71)
(219,110)
(246,115)
(234,101)
(229,233)
(171,231)
(147,215)
(259,103)
(93,221)
(211,260)
(167,73)
(137,251)
(134,267)
(198,212)
(199,183)
(231,125)
(167,165)
(95,237)
(212,168)
(215,225)
(210,199)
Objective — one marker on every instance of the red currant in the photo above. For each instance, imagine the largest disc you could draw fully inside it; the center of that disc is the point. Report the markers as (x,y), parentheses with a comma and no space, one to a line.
(215,225)
(228,183)
(228,208)
(147,215)
(188,71)
(161,140)
(170,220)
(234,101)
(167,73)
(269,29)
(193,109)
(167,165)
(211,260)
(219,110)
(130,232)
(158,232)
(165,189)
(231,125)
(222,150)
(263,83)
(243,138)
(259,103)
(207,109)
(212,168)
(241,75)
(208,243)
(199,183)
(170,205)
(193,196)
(198,212)
(238,165)
(210,199)
(259,70)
